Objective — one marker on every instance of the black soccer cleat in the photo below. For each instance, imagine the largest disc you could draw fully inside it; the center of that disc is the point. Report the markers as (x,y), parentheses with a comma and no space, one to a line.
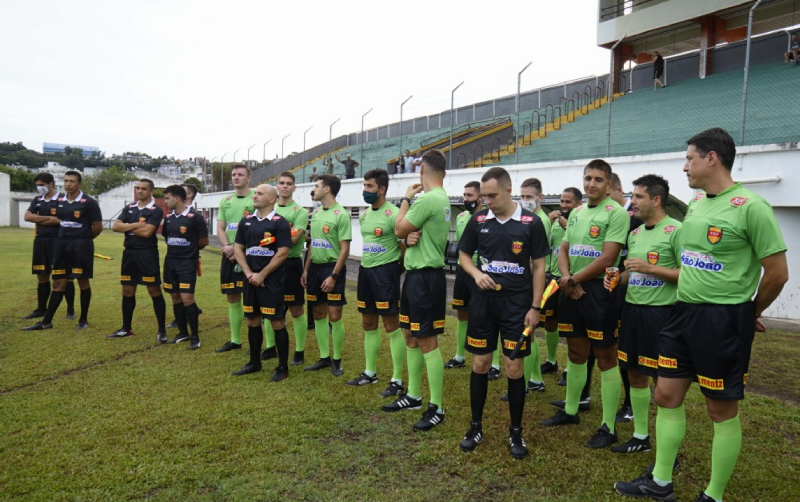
(633,445)
(703,498)
(161,338)
(394,389)
(173,324)
(517,446)
(82,325)
(583,404)
(298,359)
(194,343)
(625,414)
(323,362)
(247,368)
(430,419)
(279,374)
(602,438)
(35,314)
(121,333)
(180,337)
(473,437)
(645,487)
(336,367)
(561,418)
(71,314)
(452,363)
(562,382)
(403,403)
(548,367)
(39,325)
(228,346)
(494,373)
(535,387)
(269,353)
(362,379)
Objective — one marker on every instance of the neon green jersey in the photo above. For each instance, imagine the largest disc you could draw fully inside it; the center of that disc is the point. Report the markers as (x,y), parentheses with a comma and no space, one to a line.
(658,246)
(547,229)
(377,232)
(328,228)
(722,242)
(431,214)
(556,236)
(461,223)
(232,209)
(590,227)
(297,217)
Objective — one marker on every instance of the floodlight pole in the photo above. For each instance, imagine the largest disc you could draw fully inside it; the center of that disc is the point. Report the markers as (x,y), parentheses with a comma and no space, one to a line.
(303,155)
(746,72)
(452,102)
(401,128)
(361,157)
(222,173)
(330,137)
(519,84)
(611,80)
(248,154)
(282,157)
(264,152)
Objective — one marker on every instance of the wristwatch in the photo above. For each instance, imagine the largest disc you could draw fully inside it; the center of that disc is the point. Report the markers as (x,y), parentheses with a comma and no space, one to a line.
(335,277)
(536,307)
(571,282)
(406,199)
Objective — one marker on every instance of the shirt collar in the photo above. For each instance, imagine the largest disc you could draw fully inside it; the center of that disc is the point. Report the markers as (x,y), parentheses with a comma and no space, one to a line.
(184,213)
(516,216)
(267,217)
(79,197)
(54,197)
(149,206)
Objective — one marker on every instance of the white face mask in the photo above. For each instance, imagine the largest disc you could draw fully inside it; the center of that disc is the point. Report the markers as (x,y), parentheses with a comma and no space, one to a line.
(528,205)
(42,189)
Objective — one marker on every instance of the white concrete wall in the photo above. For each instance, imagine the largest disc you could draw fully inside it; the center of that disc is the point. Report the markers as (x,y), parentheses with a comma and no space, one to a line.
(6,204)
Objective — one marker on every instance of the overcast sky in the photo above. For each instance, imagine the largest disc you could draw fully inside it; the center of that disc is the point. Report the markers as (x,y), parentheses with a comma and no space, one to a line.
(201,78)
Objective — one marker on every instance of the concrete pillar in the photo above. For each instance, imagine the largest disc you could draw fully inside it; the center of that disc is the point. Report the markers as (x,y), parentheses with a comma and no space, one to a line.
(708,39)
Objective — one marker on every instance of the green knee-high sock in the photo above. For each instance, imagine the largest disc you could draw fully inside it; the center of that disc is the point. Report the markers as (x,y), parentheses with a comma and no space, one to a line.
(397,345)
(236,316)
(461,339)
(321,330)
(610,382)
(435,364)
(415,363)
(640,402)
(724,452)
(670,429)
(551,338)
(300,327)
(535,364)
(576,379)
(372,344)
(269,334)
(338,338)
(496,358)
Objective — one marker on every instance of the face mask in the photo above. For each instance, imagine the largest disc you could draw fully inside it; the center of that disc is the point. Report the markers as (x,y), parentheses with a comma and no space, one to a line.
(369,197)
(470,206)
(41,189)
(529,205)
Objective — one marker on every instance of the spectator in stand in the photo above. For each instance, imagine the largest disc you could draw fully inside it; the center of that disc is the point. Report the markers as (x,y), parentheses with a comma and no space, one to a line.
(349,167)
(658,70)
(417,162)
(790,56)
(400,167)
(408,162)
(314,175)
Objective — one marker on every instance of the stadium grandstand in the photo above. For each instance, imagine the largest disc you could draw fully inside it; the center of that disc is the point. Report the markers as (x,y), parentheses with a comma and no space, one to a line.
(717,75)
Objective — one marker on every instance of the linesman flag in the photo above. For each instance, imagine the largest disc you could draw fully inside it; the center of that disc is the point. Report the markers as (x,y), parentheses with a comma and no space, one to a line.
(548,292)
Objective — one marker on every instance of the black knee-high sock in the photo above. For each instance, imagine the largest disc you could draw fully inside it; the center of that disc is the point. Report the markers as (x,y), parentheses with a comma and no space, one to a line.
(192,317)
(587,389)
(128,306)
(43,293)
(160,308)
(180,317)
(516,400)
(282,344)
(69,295)
(86,299)
(626,383)
(478,387)
(55,301)
(255,337)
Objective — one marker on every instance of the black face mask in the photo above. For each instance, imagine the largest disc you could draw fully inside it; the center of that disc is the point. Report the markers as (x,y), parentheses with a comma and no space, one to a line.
(470,206)
(565,214)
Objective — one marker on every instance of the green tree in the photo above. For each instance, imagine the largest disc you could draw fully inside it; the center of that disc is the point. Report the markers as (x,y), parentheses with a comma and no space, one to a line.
(194,181)
(73,158)
(21,179)
(107,179)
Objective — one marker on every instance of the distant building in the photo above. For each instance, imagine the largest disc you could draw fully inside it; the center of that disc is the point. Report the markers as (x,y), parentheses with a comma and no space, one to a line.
(50,148)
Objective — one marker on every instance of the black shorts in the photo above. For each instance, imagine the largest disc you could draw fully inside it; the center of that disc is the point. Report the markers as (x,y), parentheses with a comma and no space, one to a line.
(180,274)
(490,316)
(73,259)
(43,250)
(710,343)
(657,73)
(265,301)
(588,316)
(423,302)
(463,289)
(317,273)
(293,292)
(379,289)
(140,266)
(550,308)
(230,282)
(638,337)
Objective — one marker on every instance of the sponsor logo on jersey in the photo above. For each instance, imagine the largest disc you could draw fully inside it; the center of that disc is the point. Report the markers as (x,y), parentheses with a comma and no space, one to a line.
(278,217)
(447,213)
(311,298)
(169,286)
(667,362)
(738,201)
(609,208)
(372,248)
(652,257)
(59,272)
(526,219)
(481,218)
(502,267)
(382,305)
(124,278)
(458,303)
(246,213)
(83,200)
(361,305)
(239,284)
(334,297)
(438,324)
(38,267)
(542,318)
(646,361)
(636,230)
(177,241)
(148,279)
(699,196)
(414,326)
(321,243)
(190,215)
(326,229)
(511,345)
(714,234)
(71,224)
(288,298)
(337,212)
(185,285)
(516,247)
(565,327)
(267,311)
(259,251)
(581,250)
(247,309)
(378,231)
(669,229)
(645,280)
(53,210)
(711,383)
(700,260)
(388,212)
(594,335)
(744,379)
(403,318)
(227,285)
(594,230)
(233,226)
(622,356)
(481,344)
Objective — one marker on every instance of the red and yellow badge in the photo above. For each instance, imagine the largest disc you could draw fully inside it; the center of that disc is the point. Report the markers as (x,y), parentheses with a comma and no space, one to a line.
(142,219)
(388,212)
(669,229)
(714,234)
(267,240)
(325,229)
(594,230)
(76,214)
(738,201)
(53,211)
(245,213)
(378,231)
(652,257)
(183,230)
(516,246)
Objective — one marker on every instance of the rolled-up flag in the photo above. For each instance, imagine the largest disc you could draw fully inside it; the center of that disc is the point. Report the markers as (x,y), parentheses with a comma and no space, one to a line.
(548,292)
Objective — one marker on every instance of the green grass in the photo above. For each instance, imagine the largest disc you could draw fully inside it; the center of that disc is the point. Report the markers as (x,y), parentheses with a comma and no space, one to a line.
(86,418)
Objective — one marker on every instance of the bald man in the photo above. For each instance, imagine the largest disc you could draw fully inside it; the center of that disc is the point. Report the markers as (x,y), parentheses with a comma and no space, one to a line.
(261,246)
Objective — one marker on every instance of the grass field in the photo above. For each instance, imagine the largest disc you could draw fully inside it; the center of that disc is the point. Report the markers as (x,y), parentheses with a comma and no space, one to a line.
(86,418)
